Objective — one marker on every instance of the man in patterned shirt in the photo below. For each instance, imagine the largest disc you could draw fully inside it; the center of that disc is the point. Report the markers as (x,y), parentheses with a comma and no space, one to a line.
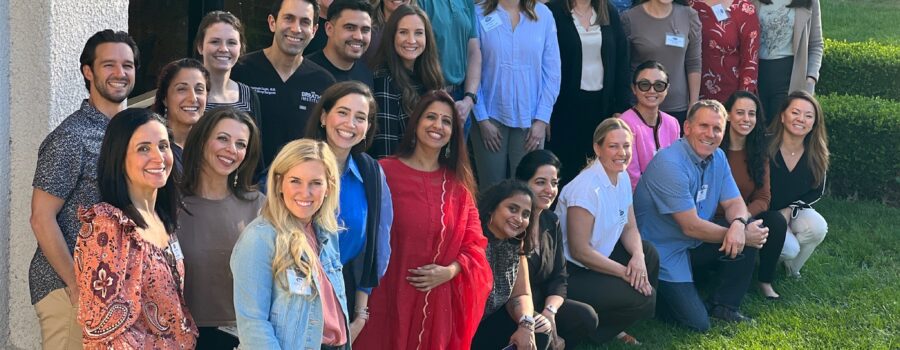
(66,178)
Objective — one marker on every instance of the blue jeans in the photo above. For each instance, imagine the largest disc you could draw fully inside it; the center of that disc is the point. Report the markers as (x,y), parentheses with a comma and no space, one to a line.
(680,301)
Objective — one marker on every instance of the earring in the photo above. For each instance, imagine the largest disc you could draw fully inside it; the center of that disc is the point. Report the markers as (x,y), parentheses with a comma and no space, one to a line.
(447,151)
(235,180)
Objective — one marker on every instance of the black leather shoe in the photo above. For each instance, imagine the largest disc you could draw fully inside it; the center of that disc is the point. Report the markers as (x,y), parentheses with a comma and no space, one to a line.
(725,313)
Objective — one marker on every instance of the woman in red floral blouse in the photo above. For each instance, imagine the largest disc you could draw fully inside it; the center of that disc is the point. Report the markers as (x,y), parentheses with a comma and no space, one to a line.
(127,259)
(730,47)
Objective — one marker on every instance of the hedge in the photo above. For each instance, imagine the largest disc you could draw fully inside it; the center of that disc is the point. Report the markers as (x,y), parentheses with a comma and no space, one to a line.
(860,68)
(864,140)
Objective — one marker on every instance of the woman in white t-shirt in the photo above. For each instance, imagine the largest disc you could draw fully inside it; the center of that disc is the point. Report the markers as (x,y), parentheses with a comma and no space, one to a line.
(601,241)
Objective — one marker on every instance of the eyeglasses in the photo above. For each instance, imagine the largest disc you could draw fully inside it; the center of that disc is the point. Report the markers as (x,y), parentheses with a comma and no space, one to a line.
(658,86)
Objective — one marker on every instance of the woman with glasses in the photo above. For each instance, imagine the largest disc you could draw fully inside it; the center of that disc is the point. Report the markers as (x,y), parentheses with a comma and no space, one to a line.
(653,129)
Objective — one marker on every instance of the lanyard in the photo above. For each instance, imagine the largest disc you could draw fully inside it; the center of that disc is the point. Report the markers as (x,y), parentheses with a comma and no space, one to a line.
(654,127)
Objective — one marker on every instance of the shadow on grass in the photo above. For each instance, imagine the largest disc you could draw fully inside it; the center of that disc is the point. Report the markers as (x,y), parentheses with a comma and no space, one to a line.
(848,297)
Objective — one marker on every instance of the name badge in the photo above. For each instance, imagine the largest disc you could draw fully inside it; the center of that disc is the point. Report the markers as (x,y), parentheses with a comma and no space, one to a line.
(297,284)
(720,12)
(175,247)
(623,217)
(675,40)
(701,194)
(490,22)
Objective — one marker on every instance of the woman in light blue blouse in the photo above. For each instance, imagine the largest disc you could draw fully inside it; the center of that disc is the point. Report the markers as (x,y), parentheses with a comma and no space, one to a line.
(346,122)
(520,77)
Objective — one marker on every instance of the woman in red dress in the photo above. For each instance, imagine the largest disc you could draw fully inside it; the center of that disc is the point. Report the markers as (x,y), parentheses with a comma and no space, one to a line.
(433,294)
(730,47)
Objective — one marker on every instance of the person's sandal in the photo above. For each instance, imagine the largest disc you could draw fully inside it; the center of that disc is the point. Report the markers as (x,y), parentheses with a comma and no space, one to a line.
(627,339)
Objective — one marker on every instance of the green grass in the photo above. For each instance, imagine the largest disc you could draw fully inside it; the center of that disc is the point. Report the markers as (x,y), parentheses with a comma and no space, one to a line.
(848,297)
(861,20)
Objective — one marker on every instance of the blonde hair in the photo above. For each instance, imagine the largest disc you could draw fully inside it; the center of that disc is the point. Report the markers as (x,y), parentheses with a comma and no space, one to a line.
(291,246)
(603,129)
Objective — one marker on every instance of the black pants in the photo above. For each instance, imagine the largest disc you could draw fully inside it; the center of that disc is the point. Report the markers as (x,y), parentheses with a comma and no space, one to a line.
(618,305)
(572,130)
(774,83)
(494,331)
(211,338)
(771,251)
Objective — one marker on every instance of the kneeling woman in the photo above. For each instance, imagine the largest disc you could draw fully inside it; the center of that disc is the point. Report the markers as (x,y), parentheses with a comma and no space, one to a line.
(509,318)
(601,238)
(798,161)
(127,259)
(288,288)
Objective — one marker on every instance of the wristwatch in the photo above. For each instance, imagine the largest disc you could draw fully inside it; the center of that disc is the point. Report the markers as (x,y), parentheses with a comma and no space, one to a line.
(527,321)
(741,219)
(473,96)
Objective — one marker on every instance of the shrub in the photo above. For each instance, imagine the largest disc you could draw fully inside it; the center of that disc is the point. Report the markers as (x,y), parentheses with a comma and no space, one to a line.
(860,68)
(864,140)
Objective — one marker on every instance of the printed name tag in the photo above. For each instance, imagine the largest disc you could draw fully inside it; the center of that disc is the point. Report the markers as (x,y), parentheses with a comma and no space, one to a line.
(675,40)
(298,284)
(720,12)
(175,247)
(701,195)
(490,22)
(623,217)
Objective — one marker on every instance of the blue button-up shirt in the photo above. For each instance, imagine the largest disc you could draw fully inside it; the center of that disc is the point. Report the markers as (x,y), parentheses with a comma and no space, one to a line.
(352,216)
(520,70)
(671,184)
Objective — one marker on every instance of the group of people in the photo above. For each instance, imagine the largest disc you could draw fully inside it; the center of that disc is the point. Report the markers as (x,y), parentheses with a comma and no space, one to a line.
(319,193)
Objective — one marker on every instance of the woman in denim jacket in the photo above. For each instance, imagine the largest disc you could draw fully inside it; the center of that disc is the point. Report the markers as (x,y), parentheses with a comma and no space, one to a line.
(288,287)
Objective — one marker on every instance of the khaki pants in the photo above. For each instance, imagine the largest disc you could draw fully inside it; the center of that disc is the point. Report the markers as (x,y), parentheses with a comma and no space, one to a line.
(59,324)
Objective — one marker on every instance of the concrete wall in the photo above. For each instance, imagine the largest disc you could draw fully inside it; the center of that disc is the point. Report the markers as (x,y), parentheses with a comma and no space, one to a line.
(45,85)
(4,169)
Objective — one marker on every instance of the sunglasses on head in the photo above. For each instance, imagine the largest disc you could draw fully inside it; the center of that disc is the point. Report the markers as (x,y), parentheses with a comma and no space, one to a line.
(645,85)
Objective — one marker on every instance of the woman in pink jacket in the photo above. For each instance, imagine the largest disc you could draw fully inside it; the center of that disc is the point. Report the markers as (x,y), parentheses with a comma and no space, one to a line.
(653,129)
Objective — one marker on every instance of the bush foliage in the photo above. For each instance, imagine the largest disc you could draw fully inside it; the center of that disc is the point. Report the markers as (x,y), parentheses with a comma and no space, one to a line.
(860,68)
(864,140)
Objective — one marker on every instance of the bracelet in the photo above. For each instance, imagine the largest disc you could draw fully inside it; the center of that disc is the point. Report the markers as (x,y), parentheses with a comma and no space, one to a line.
(527,322)
(552,309)
(363,313)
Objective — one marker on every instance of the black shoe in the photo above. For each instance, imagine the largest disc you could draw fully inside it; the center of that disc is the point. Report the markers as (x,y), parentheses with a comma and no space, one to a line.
(725,313)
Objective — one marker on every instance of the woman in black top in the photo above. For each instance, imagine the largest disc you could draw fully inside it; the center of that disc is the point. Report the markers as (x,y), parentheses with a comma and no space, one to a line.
(799,162)
(571,320)
(505,210)
(586,100)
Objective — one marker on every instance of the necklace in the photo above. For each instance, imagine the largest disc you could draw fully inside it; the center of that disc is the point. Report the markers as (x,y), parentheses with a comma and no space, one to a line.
(582,14)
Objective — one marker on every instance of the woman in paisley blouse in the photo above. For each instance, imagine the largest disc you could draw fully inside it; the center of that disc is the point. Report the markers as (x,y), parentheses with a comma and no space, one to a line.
(127,259)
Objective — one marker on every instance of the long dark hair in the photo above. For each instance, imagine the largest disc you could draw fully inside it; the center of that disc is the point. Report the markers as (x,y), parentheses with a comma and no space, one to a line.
(534,160)
(316,131)
(112,179)
(458,158)
(599,7)
(794,3)
(816,141)
(491,198)
(167,73)
(427,67)
(756,144)
(195,148)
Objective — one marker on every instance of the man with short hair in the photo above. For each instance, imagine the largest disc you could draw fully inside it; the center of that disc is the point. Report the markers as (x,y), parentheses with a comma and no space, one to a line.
(349,29)
(66,178)
(674,202)
(288,85)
